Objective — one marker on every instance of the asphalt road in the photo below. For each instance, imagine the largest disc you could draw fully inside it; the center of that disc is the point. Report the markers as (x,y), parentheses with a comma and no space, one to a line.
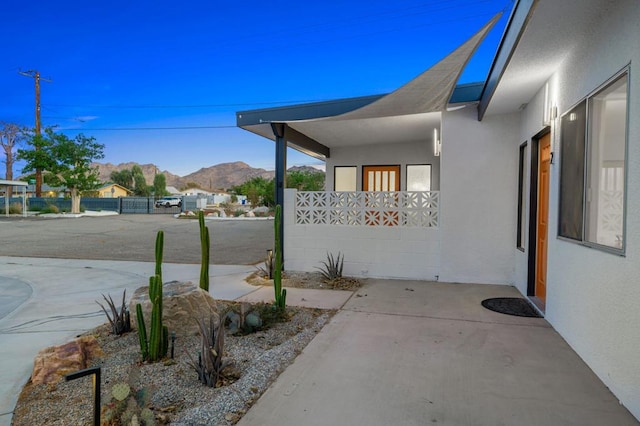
(132,237)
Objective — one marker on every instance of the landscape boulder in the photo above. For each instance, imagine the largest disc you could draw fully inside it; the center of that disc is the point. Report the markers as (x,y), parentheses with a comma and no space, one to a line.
(53,363)
(182,304)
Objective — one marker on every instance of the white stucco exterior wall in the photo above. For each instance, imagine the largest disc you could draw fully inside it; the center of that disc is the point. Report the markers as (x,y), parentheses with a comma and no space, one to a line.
(401,154)
(593,297)
(369,251)
(478,181)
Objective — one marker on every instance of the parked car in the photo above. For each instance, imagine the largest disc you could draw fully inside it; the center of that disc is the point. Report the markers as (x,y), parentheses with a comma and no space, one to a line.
(172,201)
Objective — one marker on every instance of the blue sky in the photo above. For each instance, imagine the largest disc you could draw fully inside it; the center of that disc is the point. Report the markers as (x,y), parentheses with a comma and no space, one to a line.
(191,65)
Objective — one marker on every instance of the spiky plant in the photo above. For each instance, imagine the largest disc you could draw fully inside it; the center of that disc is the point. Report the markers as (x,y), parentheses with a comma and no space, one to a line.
(210,363)
(332,268)
(120,320)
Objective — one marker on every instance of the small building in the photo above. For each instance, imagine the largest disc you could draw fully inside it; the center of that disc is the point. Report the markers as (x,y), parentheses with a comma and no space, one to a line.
(113,190)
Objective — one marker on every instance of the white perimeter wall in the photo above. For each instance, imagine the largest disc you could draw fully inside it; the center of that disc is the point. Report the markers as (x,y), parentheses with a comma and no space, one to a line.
(593,297)
(478,198)
(369,251)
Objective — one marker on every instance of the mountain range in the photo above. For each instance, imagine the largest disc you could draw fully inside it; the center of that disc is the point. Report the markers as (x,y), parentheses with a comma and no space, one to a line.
(218,177)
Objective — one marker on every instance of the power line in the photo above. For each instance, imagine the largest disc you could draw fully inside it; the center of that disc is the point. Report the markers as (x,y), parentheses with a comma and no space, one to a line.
(189,106)
(155,128)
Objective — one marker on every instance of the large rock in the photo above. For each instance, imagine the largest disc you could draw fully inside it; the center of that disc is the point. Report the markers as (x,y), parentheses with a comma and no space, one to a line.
(53,363)
(182,304)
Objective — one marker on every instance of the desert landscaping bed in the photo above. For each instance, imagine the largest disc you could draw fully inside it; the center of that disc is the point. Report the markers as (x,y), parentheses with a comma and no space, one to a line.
(171,388)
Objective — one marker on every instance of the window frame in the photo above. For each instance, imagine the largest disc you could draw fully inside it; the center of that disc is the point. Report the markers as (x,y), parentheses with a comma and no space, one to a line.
(407,173)
(587,167)
(335,175)
(522,199)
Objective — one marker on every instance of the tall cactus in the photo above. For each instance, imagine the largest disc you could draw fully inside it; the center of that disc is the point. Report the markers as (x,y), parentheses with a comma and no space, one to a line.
(155,346)
(280,293)
(142,332)
(204,245)
(159,252)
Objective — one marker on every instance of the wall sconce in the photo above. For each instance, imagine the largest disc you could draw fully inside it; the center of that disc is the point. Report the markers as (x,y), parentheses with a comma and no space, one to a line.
(437,146)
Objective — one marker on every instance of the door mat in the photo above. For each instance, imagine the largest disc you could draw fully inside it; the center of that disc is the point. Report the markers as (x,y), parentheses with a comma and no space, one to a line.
(516,306)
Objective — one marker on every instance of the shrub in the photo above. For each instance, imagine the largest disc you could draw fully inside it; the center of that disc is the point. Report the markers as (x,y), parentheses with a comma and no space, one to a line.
(50,208)
(15,208)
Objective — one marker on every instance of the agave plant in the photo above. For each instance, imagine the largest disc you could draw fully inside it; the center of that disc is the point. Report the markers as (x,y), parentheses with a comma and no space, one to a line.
(332,268)
(210,363)
(120,320)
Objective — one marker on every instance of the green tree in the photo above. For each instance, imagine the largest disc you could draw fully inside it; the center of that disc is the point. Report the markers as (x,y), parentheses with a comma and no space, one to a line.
(305,181)
(160,185)
(140,186)
(123,177)
(64,162)
(258,191)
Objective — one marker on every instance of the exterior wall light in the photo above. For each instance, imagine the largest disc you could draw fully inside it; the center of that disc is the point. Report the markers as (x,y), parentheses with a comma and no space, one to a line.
(437,146)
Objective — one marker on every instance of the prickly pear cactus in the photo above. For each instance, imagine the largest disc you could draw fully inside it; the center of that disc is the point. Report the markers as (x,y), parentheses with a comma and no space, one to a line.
(120,391)
(147,417)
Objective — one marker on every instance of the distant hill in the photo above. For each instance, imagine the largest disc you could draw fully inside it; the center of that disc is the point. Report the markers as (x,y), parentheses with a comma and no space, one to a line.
(219,177)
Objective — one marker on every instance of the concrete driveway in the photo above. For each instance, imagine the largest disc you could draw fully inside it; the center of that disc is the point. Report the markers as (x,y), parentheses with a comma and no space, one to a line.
(132,237)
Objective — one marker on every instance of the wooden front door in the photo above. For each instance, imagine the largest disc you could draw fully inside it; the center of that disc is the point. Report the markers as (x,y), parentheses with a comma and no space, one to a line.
(381,178)
(542,226)
(381,209)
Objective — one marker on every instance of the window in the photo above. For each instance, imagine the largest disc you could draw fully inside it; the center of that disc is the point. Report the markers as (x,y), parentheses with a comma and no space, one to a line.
(522,190)
(419,177)
(345,178)
(593,163)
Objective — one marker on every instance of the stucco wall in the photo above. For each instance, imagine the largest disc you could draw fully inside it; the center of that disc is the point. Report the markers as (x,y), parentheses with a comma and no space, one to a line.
(383,252)
(593,297)
(377,155)
(478,181)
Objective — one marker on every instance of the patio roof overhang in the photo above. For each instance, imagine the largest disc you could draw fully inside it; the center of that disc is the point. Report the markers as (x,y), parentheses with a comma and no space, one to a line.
(539,36)
(408,114)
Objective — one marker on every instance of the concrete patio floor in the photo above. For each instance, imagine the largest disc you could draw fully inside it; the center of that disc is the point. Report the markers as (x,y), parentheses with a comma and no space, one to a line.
(418,353)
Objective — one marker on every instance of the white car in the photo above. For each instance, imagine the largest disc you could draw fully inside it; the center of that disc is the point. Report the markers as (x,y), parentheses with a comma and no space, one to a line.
(169,202)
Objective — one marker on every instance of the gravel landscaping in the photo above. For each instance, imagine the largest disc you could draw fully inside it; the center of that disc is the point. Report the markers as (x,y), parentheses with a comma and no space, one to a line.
(171,389)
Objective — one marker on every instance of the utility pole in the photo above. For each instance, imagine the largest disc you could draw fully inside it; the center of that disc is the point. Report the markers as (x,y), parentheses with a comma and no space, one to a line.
(36,76)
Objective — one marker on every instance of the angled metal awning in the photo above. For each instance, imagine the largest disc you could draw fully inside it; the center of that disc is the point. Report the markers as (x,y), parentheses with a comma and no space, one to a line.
(407,114)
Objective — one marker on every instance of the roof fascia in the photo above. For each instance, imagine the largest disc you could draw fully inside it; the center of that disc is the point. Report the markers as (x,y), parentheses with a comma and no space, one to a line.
(306,111)
(465,93)
(520,16)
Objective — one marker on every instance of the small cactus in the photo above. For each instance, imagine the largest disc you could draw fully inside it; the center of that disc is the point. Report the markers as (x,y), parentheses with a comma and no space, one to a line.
(246,321)
(204,247)
(147,417)
(120,391)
